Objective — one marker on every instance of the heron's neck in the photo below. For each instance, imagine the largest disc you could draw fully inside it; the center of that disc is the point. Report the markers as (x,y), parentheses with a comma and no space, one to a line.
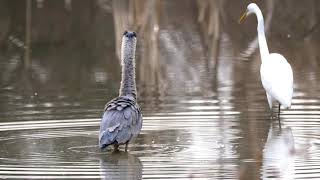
(264,51)
(128,82)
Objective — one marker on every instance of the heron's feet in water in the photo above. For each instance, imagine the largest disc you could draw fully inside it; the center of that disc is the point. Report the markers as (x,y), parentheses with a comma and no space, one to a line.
(126,148)
(116,148)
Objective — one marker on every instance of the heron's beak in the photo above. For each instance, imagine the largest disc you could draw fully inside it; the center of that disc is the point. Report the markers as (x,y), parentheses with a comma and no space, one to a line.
(244,15)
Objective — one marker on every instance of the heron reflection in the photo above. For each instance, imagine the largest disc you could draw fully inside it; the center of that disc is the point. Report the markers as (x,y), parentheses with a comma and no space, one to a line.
(121,165)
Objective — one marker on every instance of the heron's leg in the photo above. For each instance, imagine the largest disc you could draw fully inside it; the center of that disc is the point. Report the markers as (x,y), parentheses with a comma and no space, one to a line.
(116,147)
(126,147)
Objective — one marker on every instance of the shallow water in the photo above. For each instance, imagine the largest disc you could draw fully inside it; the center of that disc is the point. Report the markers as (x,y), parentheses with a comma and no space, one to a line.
(205,112)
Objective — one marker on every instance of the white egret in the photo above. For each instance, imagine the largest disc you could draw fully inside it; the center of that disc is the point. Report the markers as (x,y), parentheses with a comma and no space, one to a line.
(276,73)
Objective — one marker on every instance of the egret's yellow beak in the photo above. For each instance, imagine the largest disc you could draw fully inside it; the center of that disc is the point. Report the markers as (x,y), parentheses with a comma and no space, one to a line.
(244,15)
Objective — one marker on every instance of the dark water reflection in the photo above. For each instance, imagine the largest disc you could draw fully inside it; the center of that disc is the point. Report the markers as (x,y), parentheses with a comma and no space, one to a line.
(205,111)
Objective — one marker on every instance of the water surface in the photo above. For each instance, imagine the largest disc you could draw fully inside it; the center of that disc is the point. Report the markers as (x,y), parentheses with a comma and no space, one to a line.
(204,109)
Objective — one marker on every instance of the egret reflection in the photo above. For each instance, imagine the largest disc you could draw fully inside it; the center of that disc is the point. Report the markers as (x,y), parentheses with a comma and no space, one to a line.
(279,153)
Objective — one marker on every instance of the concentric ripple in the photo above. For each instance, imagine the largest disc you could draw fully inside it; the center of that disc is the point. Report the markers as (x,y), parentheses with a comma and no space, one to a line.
(173,144)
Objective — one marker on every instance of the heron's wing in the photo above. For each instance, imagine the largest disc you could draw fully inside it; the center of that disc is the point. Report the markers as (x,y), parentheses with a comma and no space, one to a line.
(109,127)
(277,78)
(120,102)
(137,121)
(119,121)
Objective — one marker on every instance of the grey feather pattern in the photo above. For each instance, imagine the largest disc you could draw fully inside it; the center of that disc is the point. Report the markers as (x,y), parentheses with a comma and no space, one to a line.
(121,121)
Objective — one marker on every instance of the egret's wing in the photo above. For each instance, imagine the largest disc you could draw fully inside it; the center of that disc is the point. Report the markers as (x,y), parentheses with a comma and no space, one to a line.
(277,78)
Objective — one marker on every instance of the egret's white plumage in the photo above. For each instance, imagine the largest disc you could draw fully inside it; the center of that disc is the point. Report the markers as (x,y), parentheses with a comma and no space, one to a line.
(276,73)
(277,79)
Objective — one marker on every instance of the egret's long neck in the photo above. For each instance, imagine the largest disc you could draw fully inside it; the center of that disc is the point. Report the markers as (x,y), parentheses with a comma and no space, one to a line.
(128,82)
(264,51)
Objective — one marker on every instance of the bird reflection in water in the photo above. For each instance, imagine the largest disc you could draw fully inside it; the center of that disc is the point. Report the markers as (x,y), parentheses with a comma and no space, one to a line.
(120,165)
(278,153)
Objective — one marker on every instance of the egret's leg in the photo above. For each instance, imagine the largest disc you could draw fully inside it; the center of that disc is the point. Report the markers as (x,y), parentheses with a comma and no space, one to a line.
(270,100)
(279,116)
(279,122)
(126,148)
(271,113)
(270,104)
